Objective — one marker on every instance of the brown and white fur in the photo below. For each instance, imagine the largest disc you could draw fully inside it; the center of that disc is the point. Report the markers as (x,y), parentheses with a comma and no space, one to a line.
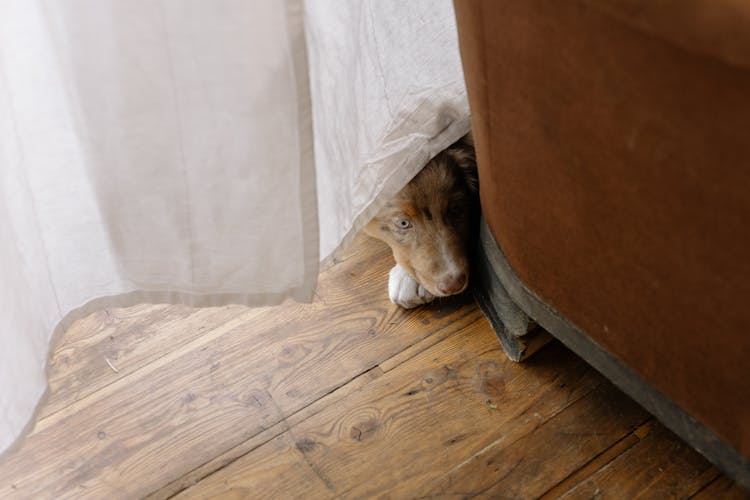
(429,226)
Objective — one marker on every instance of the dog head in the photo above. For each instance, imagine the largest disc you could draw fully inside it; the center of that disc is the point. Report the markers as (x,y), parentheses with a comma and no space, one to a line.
(429,224)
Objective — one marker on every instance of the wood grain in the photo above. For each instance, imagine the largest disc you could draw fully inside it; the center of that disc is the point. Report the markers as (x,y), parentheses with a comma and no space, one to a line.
(659,466)
(208,395)
(722,488)
(129,338)
(347,397)
(532,464)
(436,410)
(263,437)
(598,461)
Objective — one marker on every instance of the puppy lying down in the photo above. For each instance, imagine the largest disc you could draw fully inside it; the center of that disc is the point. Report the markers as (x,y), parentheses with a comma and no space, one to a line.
(429,226)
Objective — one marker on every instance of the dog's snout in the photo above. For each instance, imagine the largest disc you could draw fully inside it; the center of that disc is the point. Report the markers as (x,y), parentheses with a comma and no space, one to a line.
(452,283)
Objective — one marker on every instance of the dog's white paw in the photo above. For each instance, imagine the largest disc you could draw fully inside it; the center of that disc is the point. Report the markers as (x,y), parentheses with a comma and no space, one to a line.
(405,291)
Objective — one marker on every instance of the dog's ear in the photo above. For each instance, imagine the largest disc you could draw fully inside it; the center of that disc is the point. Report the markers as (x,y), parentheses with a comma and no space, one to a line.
(463,156)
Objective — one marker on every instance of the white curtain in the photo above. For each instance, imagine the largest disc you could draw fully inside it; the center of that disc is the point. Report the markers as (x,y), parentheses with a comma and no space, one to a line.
(203,152)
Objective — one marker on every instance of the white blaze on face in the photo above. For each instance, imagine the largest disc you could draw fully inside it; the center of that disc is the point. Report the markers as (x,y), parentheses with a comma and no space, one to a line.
(447,275)
(450,265)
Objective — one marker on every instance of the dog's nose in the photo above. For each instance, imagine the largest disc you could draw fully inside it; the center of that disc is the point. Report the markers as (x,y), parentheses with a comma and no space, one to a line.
(452,284)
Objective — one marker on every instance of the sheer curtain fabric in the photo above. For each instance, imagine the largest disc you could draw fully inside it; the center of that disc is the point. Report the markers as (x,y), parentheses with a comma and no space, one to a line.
(199,152)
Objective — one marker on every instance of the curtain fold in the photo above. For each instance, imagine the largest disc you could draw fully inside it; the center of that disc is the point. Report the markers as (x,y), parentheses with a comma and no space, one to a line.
(388,95)
(185,151)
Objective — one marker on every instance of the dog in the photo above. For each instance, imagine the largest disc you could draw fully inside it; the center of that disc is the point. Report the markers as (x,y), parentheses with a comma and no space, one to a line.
(430,226)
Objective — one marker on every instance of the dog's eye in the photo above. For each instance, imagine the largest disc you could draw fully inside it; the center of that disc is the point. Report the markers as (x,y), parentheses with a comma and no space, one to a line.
(403,224)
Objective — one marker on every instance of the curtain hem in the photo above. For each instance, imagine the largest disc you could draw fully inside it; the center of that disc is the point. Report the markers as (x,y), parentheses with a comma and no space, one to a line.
(303,293)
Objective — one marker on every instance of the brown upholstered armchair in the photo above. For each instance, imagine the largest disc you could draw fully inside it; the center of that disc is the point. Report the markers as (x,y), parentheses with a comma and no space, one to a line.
(613,141)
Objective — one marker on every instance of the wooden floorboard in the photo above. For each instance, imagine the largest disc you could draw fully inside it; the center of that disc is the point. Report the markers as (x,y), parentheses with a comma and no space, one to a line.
(111,344)
(659,466)
(722,488)
(537,461)
(347,397)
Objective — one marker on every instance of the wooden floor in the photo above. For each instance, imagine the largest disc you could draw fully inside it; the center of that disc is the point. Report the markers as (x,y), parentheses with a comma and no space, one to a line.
(347,397)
